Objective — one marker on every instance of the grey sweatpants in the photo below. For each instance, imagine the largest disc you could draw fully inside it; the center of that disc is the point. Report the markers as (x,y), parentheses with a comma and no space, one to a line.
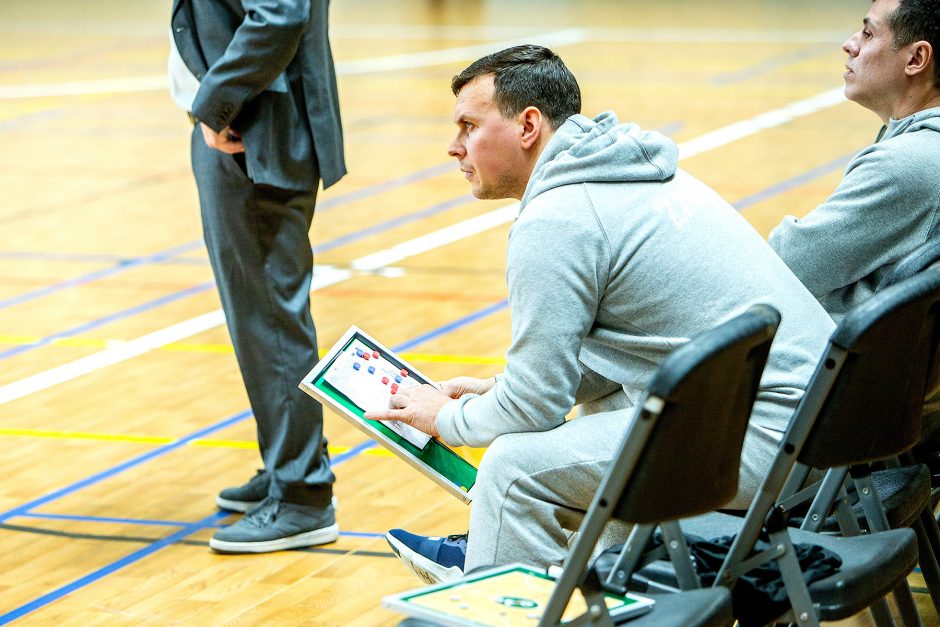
(533,489)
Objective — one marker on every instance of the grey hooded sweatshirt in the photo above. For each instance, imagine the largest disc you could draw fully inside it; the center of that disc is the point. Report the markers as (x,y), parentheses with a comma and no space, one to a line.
(617,258)
(887,204)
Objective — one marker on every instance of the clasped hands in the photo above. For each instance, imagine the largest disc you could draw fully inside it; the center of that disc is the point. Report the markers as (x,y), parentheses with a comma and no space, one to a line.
(418,406)
(226,140)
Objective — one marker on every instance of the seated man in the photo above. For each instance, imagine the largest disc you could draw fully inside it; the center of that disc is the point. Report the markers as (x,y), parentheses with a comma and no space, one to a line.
(617,257)
(888,202)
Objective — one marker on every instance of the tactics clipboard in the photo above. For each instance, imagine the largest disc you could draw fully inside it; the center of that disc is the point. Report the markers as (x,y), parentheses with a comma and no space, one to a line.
(359,374)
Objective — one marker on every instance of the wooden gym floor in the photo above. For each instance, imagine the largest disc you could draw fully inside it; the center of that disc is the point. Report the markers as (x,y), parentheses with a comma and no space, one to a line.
(121,409)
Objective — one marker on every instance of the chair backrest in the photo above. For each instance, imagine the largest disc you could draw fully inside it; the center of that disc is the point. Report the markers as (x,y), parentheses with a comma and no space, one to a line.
(916,261)
(919,260)
(888,346)
(706,390)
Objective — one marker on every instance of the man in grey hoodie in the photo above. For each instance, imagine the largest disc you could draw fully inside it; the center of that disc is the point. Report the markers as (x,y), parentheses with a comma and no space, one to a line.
(888,202)
(617,257)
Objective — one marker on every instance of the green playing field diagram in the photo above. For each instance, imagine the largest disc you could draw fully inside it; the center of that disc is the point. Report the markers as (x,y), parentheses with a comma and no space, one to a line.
(435,454)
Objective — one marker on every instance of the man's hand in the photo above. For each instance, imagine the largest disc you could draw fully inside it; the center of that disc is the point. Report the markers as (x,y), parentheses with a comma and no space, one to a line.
(226,140)
(415,406)
(458,386)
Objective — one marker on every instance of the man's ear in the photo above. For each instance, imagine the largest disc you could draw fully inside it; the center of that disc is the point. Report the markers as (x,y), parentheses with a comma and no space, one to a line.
(920,59)
(531,120)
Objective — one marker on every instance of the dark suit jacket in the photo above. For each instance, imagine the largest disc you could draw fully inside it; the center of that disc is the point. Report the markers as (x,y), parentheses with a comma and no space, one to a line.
(266,70)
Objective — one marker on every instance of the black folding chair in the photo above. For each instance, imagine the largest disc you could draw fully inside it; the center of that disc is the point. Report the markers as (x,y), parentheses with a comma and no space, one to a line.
(679,457)
(904,490)
(863,404)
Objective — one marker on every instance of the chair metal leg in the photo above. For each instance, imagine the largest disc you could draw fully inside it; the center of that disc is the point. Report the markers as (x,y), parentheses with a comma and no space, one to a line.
(877,521)
(630,556)
(906,606)
(800,601)
(927,557)
(882,613)
(680,556)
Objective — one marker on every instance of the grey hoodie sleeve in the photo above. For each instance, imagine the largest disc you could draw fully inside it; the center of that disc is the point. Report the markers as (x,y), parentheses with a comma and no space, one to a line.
(557,267)
(885,204)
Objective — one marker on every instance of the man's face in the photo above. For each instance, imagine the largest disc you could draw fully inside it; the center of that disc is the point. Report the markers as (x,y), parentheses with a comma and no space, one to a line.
(488,146)
(874,76)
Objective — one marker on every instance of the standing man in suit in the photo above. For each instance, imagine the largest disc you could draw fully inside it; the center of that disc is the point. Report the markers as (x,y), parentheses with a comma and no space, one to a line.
(258,80)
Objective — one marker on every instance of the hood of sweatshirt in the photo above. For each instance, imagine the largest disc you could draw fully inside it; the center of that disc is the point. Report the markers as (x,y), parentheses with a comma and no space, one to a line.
(601,151)
(926,120)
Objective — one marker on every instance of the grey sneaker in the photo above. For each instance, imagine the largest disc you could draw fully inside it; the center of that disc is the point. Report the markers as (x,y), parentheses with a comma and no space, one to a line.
(244,497)
(276,526)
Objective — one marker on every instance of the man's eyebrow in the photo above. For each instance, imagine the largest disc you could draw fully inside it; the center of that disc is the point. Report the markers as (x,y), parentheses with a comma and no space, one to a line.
(870,23)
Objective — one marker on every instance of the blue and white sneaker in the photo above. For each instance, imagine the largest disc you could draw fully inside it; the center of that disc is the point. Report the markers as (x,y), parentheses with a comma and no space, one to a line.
(432,559)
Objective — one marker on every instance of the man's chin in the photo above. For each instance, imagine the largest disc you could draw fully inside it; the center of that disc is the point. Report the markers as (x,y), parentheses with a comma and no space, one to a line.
(485,193)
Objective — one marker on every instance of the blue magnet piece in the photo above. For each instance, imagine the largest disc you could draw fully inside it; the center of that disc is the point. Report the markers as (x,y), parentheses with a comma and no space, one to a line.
(397,378)
(358,352)
(371,369)
(356,366)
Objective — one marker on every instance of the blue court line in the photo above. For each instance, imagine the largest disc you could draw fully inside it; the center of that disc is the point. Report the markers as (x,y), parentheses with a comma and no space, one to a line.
(93,258)
(361,534)
(122,265)
(395,222)
(162,523)
(447,328)
(127,560)
(106,519)
(345,239)
(187,530)
(794,182)
(136,461)
(339,459)
(209,521)
(98,274)
(159,302)
(386,186)
(769,65)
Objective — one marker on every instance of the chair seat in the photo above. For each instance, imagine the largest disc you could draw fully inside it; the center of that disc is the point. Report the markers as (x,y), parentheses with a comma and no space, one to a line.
(904,493)
(892,554)
(709,607)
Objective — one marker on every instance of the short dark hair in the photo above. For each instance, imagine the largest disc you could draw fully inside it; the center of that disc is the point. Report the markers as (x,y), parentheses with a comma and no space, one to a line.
(527,76)
(918,20)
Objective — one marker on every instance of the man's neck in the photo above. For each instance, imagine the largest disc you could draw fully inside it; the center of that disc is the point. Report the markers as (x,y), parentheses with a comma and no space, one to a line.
(913,103)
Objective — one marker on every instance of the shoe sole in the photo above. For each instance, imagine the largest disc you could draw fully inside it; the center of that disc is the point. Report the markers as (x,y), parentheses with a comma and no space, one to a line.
(244,506)
(234,506)
(308,538)
(424,569)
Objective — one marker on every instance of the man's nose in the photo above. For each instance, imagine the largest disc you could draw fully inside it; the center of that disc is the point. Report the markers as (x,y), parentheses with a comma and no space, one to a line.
(455,149)
(851,45)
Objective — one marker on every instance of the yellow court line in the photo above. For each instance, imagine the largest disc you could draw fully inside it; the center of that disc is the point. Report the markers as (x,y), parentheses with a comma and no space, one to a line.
(183,347)
(147,439)
(81,435)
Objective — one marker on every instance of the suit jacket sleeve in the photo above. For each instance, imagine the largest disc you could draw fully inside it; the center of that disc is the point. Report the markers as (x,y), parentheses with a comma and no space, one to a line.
(259,52)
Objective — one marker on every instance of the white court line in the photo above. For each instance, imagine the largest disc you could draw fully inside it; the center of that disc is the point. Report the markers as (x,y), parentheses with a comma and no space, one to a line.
(324,277)
(758,123)
(447,55)
(345,30)
(343,68)
(452,55)
(394,254)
